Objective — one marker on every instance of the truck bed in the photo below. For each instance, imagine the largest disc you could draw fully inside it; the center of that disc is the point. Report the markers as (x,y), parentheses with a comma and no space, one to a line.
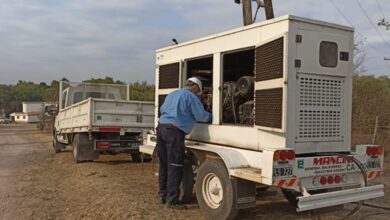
(95,114)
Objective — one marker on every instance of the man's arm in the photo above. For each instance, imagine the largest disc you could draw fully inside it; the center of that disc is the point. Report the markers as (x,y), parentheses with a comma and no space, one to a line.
(198,110)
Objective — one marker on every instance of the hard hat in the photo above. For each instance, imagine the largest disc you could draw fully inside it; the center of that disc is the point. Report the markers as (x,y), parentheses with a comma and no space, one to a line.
(197,82)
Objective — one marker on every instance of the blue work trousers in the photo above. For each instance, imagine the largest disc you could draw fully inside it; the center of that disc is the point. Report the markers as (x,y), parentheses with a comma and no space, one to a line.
(170,150)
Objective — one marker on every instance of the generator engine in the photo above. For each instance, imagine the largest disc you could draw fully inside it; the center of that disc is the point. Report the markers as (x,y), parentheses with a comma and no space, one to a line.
(237,101)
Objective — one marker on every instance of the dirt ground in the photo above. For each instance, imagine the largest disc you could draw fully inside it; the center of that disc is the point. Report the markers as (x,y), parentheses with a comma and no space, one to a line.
(36,183)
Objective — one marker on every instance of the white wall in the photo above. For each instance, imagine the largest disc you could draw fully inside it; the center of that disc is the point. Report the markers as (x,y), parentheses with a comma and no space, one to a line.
(32,107)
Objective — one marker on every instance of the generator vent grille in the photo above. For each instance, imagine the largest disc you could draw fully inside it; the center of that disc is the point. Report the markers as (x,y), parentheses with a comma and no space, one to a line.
(319,124)
(268,107)
(320,108)
(269,60)
(169,76)
(315,91)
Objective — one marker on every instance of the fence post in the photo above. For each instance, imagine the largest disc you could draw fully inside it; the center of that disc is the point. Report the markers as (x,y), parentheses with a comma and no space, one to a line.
(375,129)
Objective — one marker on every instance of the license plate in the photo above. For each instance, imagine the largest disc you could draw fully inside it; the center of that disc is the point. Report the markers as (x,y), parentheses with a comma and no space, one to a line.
(282,171)
(373,163)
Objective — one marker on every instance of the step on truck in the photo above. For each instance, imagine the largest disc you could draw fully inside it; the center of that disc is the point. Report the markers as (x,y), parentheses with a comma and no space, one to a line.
(100,119)
(280,92)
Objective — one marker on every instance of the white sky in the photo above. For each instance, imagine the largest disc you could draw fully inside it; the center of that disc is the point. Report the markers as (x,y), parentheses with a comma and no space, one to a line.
(45,40)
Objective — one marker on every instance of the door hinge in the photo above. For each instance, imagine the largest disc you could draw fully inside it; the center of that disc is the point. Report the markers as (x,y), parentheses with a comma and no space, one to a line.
(297,63)
(298,38)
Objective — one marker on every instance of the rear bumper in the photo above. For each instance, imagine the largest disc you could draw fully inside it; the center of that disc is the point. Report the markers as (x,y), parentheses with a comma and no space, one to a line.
(339,197)
(116,145)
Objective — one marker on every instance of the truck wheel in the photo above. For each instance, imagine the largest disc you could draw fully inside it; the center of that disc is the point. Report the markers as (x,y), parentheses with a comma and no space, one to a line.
(214,191)
(136,157)
(291,196)
(76,146)
(187,182)
(57,145)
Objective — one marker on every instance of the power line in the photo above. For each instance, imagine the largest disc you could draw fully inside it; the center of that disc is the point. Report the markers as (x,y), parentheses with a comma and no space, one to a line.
(380,9)
(377,50)
(372,24)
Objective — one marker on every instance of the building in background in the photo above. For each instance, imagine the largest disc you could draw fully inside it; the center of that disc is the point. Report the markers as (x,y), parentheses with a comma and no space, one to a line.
(32,113)
(24,117)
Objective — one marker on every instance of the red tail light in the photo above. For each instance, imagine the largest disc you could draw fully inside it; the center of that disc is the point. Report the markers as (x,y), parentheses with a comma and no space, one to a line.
(323,180)
(103,145)
(337,179)
(291,155)
(283,155)
(330,179)
(374,151)
(370,151)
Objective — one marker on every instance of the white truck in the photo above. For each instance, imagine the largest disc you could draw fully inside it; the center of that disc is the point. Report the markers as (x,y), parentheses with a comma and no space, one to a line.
(280,92)
(100,118)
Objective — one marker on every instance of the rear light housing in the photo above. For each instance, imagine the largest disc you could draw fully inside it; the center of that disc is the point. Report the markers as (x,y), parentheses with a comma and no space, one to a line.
(284,155)
(329,180)
(374,151)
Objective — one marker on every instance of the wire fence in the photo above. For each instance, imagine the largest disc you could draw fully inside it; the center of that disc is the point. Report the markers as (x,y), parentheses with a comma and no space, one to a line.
(374,132)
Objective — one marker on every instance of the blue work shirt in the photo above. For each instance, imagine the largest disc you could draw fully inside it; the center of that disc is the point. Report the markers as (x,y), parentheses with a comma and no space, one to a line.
(183,109)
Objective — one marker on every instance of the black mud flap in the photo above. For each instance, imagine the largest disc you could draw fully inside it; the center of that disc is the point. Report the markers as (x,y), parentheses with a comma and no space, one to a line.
(86,149)
(245,193)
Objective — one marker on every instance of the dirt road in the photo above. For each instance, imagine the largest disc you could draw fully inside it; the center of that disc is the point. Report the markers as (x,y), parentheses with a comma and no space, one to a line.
(36,183)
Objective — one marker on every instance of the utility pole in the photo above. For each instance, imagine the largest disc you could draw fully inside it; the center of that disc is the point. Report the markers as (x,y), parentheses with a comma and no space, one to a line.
(247,9)
(269,10)
(247,12)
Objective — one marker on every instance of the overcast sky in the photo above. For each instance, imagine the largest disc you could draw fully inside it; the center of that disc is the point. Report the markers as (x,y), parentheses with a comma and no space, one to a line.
(45,40)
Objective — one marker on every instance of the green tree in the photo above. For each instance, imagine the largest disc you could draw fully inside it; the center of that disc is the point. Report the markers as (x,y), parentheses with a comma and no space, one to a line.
(107,80)
(141,91)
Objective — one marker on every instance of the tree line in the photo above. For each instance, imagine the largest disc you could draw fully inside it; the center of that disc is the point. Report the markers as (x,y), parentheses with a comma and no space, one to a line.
(371,109)
(12,96)
(371,100)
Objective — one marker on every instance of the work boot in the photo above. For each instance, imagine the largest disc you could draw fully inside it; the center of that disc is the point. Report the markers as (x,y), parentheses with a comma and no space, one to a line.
(162,200)
(176,205)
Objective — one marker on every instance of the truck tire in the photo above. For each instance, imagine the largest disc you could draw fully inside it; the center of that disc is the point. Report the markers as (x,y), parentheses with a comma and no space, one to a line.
(214,191)
(57,145)
(76,146)
(136,157)
(291,196)
(187,183)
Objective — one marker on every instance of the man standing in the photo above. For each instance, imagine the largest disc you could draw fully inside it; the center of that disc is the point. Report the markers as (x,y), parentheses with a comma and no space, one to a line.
(179,113)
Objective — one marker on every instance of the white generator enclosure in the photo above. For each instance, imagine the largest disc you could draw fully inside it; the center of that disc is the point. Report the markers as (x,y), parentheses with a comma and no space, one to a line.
(280,93)
(284,83)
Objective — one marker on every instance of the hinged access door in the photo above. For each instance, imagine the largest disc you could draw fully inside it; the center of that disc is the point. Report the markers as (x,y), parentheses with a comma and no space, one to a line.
(269,83)
(168,80)
(323,53)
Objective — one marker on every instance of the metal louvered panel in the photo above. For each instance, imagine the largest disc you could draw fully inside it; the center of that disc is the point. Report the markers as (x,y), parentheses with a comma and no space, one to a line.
(169,76)
(269,60)
(161,99)
(268,108)
(320,108)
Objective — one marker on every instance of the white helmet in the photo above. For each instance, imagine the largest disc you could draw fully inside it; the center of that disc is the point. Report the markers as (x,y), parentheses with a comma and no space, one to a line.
(197,82)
